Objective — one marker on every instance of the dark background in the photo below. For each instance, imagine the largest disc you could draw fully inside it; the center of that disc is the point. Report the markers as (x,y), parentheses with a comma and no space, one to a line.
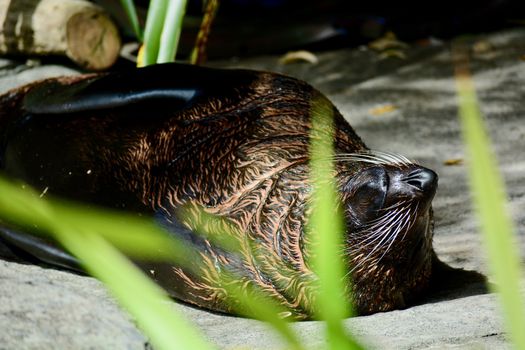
(250,27)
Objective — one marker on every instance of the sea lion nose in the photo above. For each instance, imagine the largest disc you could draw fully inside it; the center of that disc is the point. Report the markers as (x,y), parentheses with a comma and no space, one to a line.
(423,179)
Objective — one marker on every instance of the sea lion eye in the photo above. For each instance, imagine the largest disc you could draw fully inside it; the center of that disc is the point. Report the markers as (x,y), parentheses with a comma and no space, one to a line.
(366,194)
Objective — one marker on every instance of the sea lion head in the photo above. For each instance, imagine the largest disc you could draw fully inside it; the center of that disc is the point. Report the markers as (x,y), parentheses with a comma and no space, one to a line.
(388,244)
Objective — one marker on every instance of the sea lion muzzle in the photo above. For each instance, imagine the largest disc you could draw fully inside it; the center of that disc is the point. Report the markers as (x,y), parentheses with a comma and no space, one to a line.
(234,142)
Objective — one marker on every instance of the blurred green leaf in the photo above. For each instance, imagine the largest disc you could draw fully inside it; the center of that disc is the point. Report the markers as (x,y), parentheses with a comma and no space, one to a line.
(152,308)
(489,197)
(77,230)
(140,238)
(326,226)
(262,307)
(83,231)
(253,302)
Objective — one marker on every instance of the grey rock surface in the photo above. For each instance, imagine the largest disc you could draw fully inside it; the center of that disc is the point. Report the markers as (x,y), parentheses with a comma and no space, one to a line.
(48,309)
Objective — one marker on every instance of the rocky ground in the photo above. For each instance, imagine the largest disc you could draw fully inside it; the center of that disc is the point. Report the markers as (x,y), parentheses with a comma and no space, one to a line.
(406,106)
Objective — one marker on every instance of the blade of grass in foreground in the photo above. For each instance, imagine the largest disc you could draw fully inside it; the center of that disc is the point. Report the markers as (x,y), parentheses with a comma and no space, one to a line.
(265,309)
(149,304)
(260,305)
(326,226)
(135,236)
(141,297)
(141,238)
(488,192)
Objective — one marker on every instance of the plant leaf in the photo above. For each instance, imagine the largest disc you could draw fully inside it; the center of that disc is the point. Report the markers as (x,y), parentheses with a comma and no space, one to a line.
(489,198)
(131,12)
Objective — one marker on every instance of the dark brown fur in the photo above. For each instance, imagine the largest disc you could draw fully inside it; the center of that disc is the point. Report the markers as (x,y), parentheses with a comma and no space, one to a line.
(241,153)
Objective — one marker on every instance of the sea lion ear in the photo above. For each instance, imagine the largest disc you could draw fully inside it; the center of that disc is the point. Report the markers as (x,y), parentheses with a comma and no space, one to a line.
(176,83)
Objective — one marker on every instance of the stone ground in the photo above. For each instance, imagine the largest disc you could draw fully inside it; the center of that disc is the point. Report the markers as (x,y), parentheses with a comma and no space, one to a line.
(48,309)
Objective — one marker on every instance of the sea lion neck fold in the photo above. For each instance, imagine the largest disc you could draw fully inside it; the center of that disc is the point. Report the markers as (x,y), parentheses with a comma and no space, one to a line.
(234,143)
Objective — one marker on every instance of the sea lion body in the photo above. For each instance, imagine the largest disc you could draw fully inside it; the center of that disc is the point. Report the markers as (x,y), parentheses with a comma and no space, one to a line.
(236,143)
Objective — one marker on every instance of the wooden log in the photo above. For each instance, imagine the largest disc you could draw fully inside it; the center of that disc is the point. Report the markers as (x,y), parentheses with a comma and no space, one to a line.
(75,28)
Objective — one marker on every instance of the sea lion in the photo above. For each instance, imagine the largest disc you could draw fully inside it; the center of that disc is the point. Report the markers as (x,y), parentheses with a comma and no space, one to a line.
(235,142)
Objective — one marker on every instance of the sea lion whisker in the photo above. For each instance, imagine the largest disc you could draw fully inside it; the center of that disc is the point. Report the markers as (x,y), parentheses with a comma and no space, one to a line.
(378,240)
(395,157)
(385,220)
(375,157)
(378,231)
(393,206)
(367,155)
(412,221)
(364,156)
(408,161)
(367,257)
(390,210)
(392,239)
(370,234)
(405,227)
(352,156)
(394,232)
(388,228)
(363,260)
(362,159)
(407,222)
(388,157)
(389,233)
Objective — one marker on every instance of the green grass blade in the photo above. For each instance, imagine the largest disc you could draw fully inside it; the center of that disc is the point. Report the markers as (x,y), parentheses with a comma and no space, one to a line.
(489,198)
(169,39)
(327,228)
(141,238)
(135,236)
(131,12)
(141,297)
(150,305)
(263,308)
(252,300)
(152,33)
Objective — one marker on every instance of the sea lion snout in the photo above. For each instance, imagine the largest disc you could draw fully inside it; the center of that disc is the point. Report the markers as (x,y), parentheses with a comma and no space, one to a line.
(392,244)
(414,183)
(422,179)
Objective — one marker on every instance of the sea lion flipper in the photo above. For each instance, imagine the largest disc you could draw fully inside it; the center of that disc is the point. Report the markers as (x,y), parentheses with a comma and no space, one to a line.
(22,246)
(179,83)
(96,94)
(108,91)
